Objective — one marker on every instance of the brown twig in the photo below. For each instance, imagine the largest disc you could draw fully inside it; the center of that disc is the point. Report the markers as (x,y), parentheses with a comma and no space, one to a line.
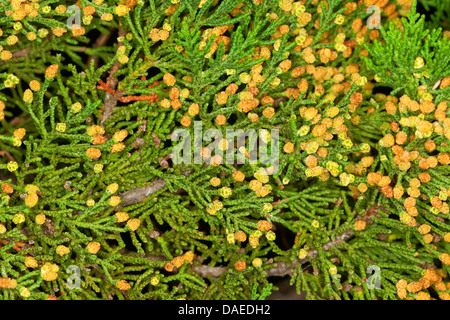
(140,194)
(205,271)
(19,54)
(278,100)
(111,98)
(22,53)
(111,82)
(7,154)
(281,269)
